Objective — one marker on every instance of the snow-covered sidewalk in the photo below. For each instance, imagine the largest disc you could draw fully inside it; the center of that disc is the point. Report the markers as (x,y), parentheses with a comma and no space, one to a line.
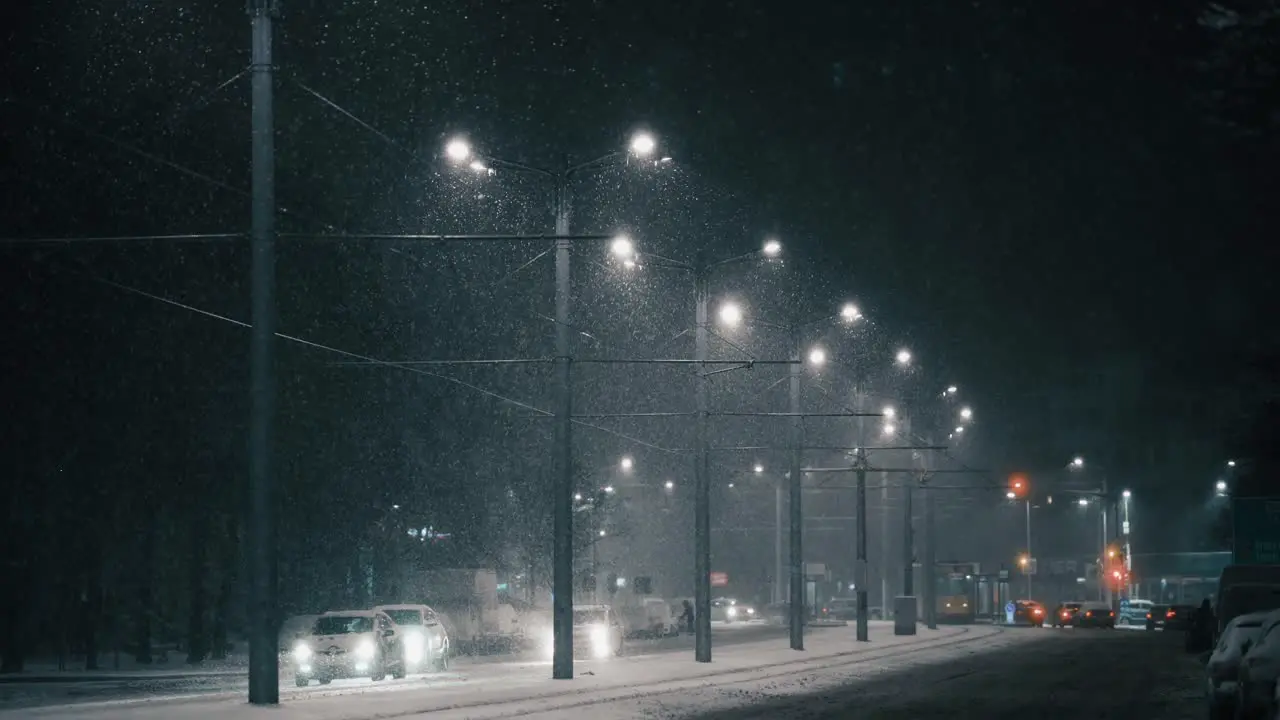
(505,690)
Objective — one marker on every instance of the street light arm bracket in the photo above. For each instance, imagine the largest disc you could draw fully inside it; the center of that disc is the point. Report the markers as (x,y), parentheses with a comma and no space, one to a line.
(495,162)
(596,164)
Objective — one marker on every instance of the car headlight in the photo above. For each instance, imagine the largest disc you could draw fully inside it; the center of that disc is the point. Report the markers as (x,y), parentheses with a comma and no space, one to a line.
(732,612)
(414,646)
(751,611)
(365,650)
(301,652)
(600,640)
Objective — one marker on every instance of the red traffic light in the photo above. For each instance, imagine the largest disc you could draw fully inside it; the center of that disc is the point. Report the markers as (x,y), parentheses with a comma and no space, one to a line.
(1018,484)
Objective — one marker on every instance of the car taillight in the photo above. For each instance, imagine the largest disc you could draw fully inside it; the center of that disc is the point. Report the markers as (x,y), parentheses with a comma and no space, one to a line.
(1066,614)
(1148,616)
(1088,613)
(1039,611)
(1170,614)
(1112,613)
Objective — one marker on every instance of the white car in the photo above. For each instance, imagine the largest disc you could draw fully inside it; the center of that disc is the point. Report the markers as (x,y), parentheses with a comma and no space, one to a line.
(1259,668)
(423,637)
(348,644)
(1224,664)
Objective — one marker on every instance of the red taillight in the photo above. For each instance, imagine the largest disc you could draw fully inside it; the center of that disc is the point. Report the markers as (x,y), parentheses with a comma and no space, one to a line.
(1039,611)
(1148,616)
(1066,614)
(1170,614)
(1088,613)
(1112,614)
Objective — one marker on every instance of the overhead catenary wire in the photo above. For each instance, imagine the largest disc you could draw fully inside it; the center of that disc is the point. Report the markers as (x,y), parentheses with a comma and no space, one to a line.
(366,358)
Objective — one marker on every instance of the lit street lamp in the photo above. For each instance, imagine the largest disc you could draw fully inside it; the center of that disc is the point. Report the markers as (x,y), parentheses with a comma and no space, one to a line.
(731,314)
(903,357)
(627,463)
(817,356)
(966,413)
(889,429)
(888,412)
(759,468)
(460,151)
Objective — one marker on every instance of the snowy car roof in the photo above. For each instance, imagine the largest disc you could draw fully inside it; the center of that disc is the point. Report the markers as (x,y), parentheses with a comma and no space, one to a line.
(406,606)
(350,613)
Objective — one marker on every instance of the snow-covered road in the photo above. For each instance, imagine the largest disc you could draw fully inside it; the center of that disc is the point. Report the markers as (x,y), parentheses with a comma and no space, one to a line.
(978,671)
(519,689)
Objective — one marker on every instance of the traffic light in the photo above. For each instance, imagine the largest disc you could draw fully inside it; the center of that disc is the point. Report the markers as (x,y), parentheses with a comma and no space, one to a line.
(1019,485)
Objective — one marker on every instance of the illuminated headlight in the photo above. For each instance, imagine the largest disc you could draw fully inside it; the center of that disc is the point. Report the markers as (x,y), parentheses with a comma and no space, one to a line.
(301,652)
(751,611)
(732,612)
(365,650)
(414,647)
(600,641)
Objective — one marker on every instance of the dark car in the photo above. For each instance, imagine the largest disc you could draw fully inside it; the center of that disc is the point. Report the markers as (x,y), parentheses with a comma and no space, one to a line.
(1065,614)
(1096,615)
(1170,617)
(1029,612)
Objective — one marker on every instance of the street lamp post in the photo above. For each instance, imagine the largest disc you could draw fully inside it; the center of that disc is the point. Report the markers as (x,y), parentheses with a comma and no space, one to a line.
(264,660)
(701,269)
(701,473)
(561,181)
(1030,555)
(1127,529)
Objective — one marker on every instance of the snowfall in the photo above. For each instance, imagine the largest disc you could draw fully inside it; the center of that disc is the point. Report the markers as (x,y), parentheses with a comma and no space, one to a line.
(659,685)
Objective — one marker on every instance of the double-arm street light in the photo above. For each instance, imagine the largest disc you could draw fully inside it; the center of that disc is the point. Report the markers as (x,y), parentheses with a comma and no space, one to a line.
(460,152)
(730,314)
(817,356)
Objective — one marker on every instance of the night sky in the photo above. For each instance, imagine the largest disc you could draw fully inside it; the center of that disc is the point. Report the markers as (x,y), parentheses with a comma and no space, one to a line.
(1049,202)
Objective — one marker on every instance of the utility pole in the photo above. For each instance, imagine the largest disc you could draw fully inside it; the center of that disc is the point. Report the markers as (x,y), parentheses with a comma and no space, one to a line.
(930,559)
(779,570)
(562,450)
(797,535)
(1105,585)
(264,657)
(861,564)
(701,474)
(1031,556)
(886,552)
(908,539)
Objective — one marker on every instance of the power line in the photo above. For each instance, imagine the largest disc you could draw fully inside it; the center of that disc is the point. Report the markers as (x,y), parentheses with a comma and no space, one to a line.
(373,360)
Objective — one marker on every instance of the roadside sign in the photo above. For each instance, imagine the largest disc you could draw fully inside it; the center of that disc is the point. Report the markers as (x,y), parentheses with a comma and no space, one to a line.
(1256,523)
(1009,611)
(719,579)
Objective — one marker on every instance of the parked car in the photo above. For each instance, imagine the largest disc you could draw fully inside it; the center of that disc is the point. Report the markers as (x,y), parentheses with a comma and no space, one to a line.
(1223,667)
(1259,668)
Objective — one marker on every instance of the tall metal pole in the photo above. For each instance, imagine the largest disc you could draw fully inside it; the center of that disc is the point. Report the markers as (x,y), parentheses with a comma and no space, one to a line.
(862,543)
(264,672)
(1127,529)
(779,571)
(797,516)
(701,476)
(1106,581)
(886,551)
(908,539)
(930,561)
(1030,555)
(562,453)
